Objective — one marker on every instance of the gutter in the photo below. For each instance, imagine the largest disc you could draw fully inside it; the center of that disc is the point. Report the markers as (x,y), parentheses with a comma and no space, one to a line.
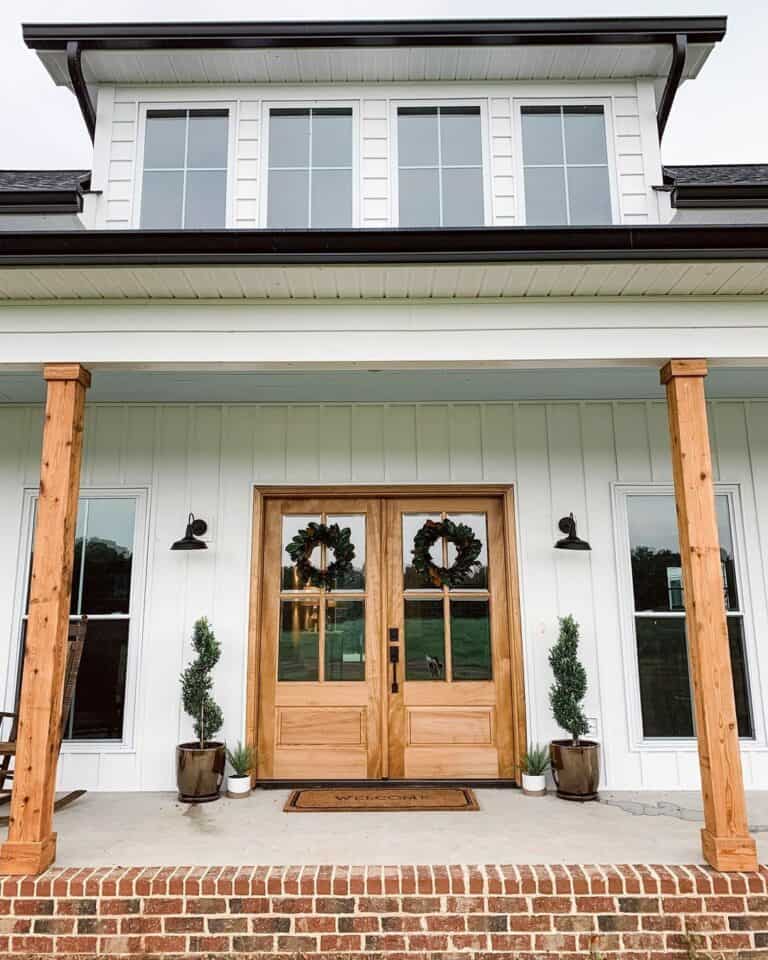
(41,201)
(372,33)
(122,248)
(720,196)
(679,52)
(74,65)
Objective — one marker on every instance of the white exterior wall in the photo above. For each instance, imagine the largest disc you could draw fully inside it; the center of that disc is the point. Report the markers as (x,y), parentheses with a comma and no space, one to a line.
(633,145)
(561,457)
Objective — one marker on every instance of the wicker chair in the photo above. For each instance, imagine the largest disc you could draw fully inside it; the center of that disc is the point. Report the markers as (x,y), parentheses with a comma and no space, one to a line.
(75,644)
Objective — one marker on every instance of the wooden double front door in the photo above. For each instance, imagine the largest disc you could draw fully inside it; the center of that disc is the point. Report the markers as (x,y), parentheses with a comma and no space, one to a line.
(386,672)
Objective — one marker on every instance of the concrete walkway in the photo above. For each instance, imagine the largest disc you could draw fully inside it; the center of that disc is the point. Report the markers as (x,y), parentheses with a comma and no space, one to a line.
(148,829)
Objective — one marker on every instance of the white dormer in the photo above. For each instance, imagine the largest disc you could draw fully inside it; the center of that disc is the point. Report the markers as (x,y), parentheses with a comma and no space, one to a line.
(377,124)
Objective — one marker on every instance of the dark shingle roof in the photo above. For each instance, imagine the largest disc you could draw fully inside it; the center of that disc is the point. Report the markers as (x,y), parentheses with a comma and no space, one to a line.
(718,174)
(45,181)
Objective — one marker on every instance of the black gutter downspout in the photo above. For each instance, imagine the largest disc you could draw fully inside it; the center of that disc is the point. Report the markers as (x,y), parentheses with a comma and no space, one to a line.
(79,86)
(679,51)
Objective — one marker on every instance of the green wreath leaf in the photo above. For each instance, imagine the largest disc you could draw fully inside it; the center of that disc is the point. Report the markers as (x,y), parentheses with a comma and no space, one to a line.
(468,549)
(336,539)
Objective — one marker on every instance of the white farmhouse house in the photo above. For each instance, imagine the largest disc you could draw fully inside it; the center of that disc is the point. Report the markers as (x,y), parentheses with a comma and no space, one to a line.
(374,274)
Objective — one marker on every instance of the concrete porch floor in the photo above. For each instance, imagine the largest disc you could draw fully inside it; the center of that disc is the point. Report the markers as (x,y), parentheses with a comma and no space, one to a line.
(147,829)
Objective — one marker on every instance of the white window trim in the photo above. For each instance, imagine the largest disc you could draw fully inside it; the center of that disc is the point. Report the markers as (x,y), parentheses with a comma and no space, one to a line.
(394,164)
(144,107)
(638,742)
(267,107)
(136,606)
(517,114)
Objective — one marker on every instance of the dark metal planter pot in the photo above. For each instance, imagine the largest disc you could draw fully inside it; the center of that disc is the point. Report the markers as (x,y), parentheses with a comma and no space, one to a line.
(199,773)
(576,770)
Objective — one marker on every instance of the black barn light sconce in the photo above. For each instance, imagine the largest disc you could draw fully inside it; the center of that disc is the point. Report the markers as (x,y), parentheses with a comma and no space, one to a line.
(195,528)
(570,541)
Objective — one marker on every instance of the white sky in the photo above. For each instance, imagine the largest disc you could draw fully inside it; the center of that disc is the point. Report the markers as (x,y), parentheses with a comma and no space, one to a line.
(719,118)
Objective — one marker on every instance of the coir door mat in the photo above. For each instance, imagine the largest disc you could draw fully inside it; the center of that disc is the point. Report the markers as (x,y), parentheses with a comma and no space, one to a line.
(373,799)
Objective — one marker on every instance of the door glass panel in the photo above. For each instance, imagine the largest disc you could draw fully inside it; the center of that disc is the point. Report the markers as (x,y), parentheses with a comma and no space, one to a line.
(292,523)
(424,640)
(355,579)
(299,645)
(470,640)
(412,523)
(345,640)
(478,576)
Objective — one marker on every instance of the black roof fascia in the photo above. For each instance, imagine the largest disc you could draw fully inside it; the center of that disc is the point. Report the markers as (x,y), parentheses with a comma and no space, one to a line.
(723,196)
(373,33)
(363,246)
(40,201)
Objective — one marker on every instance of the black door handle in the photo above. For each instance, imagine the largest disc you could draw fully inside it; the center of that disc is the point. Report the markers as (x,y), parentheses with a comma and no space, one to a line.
(394,655)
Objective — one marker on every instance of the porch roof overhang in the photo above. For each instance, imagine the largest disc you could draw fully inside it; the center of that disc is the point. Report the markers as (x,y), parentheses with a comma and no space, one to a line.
(617,261)
(375,50)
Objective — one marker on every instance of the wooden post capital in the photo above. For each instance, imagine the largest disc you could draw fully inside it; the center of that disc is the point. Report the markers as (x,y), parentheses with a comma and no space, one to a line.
(67,371)
(683,368)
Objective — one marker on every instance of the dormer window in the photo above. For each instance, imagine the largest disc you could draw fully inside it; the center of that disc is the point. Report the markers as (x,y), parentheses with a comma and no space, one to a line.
(184,183)
(440,166)
(565,166)
(310,167)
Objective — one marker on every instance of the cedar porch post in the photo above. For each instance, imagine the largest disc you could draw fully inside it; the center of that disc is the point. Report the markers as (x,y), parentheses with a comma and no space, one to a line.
(31,844)
(726,842)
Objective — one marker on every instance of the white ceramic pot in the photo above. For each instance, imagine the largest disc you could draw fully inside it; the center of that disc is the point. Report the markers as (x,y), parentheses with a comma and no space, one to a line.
(534,786)
(238,787)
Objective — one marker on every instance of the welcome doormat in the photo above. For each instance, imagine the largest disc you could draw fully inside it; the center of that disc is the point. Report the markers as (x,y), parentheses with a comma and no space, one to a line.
(379,799)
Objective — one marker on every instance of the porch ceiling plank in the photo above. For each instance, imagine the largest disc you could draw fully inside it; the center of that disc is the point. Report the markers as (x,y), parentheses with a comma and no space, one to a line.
(414,281)
(726,842)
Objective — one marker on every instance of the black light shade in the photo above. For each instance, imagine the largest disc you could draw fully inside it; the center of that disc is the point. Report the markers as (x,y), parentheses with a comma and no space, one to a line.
(570,541)
(195,529)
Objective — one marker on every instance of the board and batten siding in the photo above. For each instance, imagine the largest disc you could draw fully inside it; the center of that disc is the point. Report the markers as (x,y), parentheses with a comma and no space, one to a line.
(630,114)
(560,457)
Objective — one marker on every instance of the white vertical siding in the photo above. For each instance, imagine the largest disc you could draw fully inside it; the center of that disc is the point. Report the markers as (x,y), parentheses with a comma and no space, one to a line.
(560,457)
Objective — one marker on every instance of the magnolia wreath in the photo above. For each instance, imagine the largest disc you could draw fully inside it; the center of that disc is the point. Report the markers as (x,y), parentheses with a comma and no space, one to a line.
(468,549)
(336,539)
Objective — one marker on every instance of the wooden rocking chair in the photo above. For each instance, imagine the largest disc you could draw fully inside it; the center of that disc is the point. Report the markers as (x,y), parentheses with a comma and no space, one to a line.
(75,644)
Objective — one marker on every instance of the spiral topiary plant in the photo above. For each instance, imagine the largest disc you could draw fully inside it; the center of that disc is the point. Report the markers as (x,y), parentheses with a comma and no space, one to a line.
(570,687)
(197,682)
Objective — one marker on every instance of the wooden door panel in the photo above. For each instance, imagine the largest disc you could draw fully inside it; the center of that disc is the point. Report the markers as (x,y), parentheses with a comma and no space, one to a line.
(310,727)
(429,726)
(443,725)
(441,763)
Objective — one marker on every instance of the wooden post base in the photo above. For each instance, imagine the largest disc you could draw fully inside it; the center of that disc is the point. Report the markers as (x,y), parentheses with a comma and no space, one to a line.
(27,857)
(729,854)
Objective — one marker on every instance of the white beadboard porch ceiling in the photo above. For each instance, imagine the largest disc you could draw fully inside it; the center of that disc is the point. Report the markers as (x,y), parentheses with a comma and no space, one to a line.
(387,282)
(378,65)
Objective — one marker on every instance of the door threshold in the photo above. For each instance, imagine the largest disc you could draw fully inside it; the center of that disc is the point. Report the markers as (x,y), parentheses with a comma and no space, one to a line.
(499,784)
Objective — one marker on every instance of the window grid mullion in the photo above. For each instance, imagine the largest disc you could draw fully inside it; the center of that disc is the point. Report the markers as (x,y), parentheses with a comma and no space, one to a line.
(440,165)
(184,175)
(565,167)
(309,162)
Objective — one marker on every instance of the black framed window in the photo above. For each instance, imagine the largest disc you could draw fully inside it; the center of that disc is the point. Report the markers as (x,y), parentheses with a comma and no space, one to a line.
(659,617)
(184,183)
(102,576)
(309,181)
(440,166)
(565,166)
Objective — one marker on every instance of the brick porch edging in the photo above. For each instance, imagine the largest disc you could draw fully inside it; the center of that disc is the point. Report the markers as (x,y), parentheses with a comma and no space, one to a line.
(638,912)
